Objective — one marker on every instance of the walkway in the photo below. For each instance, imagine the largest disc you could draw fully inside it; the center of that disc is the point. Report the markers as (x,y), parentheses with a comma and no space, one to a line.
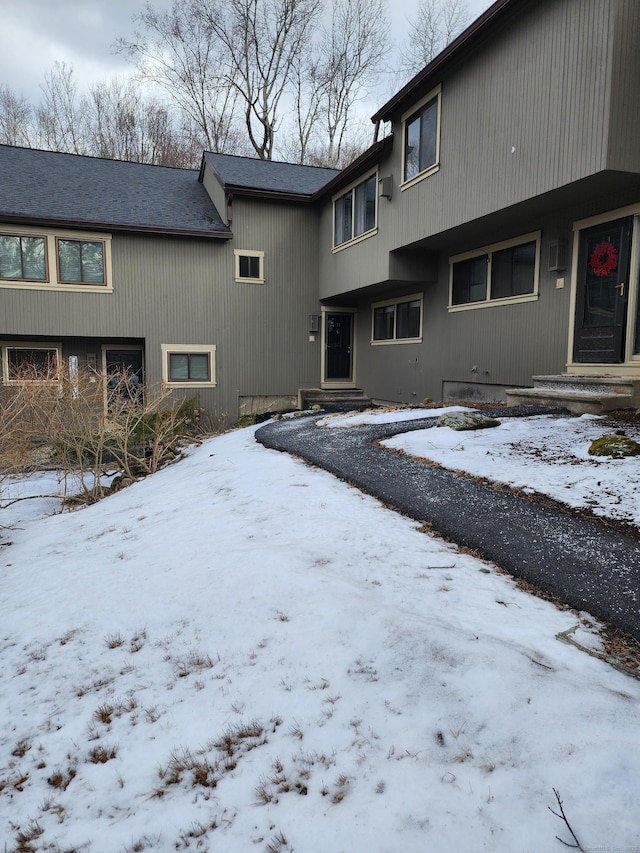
(581,562)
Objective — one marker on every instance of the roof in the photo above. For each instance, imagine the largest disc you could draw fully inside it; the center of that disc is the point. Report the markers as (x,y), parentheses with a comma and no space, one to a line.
(45,186)
(367,159)
(469,38)
(269,176)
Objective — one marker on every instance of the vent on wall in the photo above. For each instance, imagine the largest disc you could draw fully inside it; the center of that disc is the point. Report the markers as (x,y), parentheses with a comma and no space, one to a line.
(557,255)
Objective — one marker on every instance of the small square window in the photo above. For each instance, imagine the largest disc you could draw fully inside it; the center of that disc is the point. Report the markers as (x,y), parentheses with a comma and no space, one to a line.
(249,266)
(30,363)
(398,321)
(354,212)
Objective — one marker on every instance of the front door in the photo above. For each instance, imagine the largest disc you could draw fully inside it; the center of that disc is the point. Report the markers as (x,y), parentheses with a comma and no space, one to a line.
(602,293)
(123,368)
(338,347)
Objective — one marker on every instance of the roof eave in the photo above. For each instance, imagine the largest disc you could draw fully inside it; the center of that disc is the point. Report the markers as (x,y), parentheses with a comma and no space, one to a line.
(115,226)
(437,65)
(366,159)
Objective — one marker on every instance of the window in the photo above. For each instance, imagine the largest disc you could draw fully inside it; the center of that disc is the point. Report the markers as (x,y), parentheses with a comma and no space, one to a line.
(22,258)
(249,266)
(81,261)
(422,138)
(44,259)
(354,212)
(29,362)
(398,320)
(188,365)
(506,271)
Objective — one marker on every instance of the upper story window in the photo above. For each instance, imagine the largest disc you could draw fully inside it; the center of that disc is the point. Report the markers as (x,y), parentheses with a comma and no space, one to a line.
(505,272)
(81,261)
(22,258)
(399,320)
(249,266)
(60,260)
(421,134)
(354,211)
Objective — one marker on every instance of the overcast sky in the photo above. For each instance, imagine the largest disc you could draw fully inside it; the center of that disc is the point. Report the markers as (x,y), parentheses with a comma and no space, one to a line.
(37,33)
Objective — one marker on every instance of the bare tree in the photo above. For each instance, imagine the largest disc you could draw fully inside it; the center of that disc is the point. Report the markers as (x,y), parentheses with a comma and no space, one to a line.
(61,114)
(353,47)
(16,116)
(437,22)
(123,126)
(180,51)
(262,39)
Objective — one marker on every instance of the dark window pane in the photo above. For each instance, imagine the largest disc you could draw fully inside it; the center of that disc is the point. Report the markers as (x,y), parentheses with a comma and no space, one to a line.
(428,129)
(383,323)
(412,148)
(408,322)
(469,281)
(365,206)
(343,211)
(249,266)
(31,363)
(189,367)
(513,271)
(421,134)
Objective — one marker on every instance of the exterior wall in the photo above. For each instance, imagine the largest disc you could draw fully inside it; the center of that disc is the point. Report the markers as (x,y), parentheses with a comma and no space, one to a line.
(183,291)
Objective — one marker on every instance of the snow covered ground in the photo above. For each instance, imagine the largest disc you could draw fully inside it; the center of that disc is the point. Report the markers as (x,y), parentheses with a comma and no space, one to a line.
(243,653)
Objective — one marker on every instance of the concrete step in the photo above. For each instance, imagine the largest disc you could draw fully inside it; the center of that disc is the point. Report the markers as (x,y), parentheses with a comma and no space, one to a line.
(579,394)
(340,398)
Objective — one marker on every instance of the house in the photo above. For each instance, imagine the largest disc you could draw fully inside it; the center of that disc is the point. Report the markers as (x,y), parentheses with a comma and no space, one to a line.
(487,241)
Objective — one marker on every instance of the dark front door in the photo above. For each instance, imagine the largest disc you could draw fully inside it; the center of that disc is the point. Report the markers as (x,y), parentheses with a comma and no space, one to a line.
(602,293)
(124,375)
(339,336)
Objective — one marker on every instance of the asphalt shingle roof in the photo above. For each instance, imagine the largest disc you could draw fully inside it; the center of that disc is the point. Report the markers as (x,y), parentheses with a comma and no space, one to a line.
(269,175)
(48,186)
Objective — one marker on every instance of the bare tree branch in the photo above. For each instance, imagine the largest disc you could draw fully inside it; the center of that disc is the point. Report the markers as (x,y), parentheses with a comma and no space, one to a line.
(562,816)
(437,22)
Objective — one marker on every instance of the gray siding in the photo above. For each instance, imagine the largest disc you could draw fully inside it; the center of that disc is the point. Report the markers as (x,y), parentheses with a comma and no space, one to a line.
(173,291)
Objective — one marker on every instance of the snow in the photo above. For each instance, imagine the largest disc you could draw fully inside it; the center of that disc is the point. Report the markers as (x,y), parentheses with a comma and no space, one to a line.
(278,662)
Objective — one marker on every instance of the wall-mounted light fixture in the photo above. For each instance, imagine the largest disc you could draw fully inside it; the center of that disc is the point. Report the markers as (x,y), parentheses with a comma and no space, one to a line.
(558,255)
(314,323)
(386,186)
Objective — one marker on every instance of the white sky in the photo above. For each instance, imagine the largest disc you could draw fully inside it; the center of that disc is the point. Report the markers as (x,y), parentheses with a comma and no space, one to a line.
(37,33)
(404,696)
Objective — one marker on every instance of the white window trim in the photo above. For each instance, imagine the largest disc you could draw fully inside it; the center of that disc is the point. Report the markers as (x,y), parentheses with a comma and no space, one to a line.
(198,349)
(50,236)
(414,297)
(534,236)
(366,234)
(252,253)
(430,170)
(9,345)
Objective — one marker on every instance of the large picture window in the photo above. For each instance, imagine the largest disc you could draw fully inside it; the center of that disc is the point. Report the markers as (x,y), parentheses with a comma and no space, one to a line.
(422,138)
(354,211)
(504,272)
(399,320)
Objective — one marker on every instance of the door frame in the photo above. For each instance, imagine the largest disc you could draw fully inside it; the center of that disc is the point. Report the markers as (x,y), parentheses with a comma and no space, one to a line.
(337,383)
(630,364)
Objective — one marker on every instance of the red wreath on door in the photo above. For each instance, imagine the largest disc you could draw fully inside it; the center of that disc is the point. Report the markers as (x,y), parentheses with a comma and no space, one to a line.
(604,258)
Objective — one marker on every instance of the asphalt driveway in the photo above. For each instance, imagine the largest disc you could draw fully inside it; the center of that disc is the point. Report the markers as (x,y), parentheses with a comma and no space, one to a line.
(580,561)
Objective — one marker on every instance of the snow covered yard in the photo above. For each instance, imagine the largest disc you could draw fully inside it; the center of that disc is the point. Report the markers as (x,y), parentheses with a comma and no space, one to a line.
(243,653)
